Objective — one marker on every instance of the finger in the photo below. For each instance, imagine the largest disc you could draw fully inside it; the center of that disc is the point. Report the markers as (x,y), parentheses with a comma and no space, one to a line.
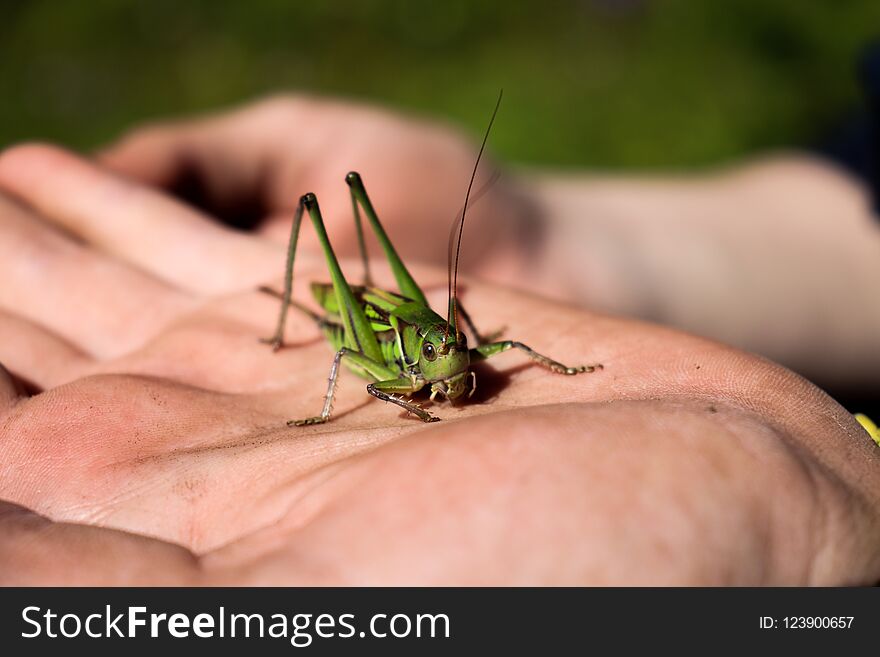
(157,155)
(97,303)
(140,225)
(38,356)
(227,163)
(36,551)
(223,150)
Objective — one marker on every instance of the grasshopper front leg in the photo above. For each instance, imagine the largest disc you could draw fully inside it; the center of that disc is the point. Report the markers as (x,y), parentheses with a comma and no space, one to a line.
(391,391)
(485,351)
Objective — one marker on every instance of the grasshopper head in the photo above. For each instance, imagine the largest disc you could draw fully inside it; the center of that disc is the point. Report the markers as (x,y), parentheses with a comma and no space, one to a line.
(445,363)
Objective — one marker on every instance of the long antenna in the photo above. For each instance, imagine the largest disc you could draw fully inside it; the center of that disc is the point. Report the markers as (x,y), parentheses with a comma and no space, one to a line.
(475,196)
(452,269)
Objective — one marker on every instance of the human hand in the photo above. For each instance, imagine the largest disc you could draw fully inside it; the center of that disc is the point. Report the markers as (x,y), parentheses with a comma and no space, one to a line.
(158,452)
(775,256)
(249,166)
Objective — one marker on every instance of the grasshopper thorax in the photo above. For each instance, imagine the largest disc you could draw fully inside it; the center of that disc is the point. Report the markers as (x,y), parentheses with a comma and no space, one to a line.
(445,363)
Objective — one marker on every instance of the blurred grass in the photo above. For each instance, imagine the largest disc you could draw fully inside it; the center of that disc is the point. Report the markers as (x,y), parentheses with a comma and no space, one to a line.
(608,83)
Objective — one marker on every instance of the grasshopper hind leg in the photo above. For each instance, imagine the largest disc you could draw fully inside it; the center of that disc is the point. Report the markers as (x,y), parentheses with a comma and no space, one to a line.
(480,338)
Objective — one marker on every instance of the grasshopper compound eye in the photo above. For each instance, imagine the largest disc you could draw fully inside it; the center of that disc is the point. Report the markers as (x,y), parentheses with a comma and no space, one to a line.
(428,351)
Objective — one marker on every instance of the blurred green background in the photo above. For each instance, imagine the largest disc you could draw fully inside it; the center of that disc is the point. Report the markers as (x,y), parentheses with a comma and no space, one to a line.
(607,83)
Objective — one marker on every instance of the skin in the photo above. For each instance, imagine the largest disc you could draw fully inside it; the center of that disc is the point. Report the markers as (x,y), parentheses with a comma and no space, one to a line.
(779,256)
(143,437)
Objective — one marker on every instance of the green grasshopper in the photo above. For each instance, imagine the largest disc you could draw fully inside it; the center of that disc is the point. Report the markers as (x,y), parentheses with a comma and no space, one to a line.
(393,339)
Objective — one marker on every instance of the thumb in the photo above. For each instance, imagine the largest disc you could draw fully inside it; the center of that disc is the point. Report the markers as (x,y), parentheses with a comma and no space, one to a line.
(228,154)
(152,155)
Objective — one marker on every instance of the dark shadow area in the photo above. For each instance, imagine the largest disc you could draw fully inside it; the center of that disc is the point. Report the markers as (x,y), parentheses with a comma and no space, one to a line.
(492,381)
(859,401)
(239,209)
(25,386)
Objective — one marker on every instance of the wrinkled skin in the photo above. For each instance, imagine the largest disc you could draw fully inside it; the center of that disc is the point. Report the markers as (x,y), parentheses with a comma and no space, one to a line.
(156,450)
(778,255)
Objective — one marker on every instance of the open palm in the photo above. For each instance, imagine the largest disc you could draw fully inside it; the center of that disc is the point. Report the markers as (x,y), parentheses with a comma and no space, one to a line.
(157,448)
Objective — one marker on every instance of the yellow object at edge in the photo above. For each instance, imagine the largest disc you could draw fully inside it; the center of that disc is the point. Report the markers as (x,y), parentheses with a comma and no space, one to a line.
(872,429)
